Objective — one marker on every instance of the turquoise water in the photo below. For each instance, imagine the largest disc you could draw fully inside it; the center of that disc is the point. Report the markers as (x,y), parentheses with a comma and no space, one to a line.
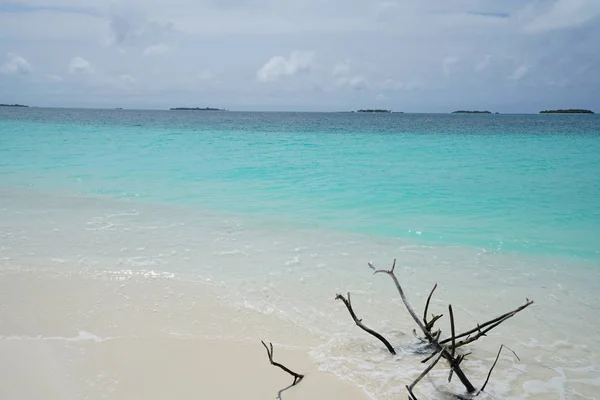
(505,183)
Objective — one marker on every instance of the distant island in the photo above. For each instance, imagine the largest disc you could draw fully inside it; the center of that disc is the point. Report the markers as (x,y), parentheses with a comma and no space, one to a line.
(197,109)
(13,105)
(569,111)
(470,112)
(375,110)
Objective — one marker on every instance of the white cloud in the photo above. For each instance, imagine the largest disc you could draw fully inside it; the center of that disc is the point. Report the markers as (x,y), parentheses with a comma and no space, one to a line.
(448,64)
(563,14)
(484,63)
(128,26)
(345,78)
(54,78)
(341,69)
(127,79)
(519,73)
(356,82)
(156,50)
(15,65)
(278,66)
(80,66)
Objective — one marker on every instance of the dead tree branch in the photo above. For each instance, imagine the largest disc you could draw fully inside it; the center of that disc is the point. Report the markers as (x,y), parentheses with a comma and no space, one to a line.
(429,325)
(454,362)
(423,374)
(358,322)
(297,377)
(489,324)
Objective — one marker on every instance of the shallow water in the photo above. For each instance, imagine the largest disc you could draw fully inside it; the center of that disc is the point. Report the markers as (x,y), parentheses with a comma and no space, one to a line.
(279,212)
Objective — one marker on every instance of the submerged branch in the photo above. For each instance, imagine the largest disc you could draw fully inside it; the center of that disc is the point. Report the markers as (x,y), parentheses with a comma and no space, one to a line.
(424,373)
(358,322)
(454,362)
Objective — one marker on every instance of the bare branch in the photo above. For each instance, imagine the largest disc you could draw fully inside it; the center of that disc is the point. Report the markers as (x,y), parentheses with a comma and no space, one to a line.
(429,325)
(358,322)
(445,353)
(427,306)
(297,377)
(452,331)
(494,323)
(425,372)
(493,365)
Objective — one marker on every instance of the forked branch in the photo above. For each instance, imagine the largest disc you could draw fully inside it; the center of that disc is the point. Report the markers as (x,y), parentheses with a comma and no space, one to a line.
(297,377)
(489,325)
(358,322)
(454,362)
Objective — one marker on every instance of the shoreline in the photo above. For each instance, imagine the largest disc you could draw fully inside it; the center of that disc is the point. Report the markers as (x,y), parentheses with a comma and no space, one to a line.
(308,228)
(121,338)
(75,271)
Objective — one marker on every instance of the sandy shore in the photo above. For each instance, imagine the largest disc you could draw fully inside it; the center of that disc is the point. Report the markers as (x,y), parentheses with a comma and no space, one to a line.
(134,337)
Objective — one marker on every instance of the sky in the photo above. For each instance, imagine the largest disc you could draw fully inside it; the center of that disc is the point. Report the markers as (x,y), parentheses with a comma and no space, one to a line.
(303,55)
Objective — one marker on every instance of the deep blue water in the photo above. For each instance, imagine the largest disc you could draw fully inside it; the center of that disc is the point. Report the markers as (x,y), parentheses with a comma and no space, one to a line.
(517,183)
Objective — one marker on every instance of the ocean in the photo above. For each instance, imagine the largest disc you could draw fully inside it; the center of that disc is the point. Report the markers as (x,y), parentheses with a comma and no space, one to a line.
(278,212)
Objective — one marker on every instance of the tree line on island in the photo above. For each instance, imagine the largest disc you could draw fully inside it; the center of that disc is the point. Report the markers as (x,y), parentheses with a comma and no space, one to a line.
(567,111)
(196,109)
(365,110)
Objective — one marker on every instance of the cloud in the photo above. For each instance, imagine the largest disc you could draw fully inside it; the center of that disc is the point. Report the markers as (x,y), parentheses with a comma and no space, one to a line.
(341,69)
(489,14)
(519,73)
(16,65)
(128,27)
(563,14)
(356,82)
(448,64)
(278,66)
(345,78)
(54,78)
(392,85)
(127,79)
(80,66)
(156,50)
(484,63)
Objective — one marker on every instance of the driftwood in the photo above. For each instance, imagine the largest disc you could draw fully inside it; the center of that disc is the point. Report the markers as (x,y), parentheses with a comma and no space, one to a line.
(446,348)
(297,377)
(358,322)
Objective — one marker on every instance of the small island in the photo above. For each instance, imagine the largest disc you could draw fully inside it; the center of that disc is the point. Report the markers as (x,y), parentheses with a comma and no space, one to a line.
(374,110)
(568,111)
(470,112)
(196,109)
(13,105)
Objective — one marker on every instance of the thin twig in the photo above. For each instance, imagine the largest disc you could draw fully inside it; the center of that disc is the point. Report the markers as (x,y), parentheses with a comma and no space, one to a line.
(358,322)
(493,365)
(427,305)
(297,377)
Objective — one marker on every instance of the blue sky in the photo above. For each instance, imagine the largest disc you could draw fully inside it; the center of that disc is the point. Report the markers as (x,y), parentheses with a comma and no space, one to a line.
(414,56)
